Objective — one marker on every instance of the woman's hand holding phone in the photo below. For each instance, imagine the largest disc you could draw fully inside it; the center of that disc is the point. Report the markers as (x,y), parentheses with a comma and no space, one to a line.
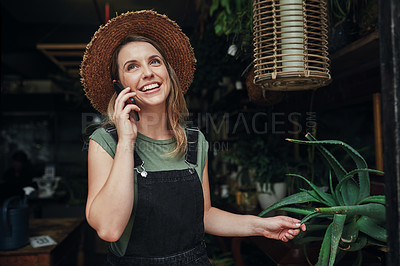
(124,121)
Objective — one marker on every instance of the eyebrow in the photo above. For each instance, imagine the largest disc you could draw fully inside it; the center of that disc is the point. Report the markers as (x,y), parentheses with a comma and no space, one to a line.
(134,60)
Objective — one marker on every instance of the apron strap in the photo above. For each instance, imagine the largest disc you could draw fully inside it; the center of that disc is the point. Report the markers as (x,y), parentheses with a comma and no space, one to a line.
(192,135)
(113,132)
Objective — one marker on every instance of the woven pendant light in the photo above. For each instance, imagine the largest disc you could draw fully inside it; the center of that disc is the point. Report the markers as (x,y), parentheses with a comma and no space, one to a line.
(290,44)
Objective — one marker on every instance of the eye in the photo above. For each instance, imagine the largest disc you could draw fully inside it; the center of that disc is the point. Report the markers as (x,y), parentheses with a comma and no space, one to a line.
(155,61)
(132,67)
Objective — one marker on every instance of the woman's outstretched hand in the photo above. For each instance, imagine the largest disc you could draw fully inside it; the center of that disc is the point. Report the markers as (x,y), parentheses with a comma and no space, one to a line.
(280,227)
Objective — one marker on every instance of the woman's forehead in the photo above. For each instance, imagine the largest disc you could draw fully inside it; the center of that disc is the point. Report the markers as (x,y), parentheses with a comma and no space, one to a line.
(138,50)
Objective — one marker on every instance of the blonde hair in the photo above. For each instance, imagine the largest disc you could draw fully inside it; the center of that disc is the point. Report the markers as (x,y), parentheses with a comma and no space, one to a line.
(175,103)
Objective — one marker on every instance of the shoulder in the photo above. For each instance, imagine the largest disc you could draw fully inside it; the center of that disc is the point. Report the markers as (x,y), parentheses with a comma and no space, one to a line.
(105,140)
(100,134)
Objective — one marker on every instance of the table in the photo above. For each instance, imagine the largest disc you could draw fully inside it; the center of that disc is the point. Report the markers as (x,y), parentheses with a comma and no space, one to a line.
(67,232)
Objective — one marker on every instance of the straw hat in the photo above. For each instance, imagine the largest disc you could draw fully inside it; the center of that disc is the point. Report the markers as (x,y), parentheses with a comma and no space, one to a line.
(95,67)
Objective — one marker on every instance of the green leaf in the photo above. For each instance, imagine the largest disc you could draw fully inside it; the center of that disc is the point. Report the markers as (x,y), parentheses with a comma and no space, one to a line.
(316,227)
(331,188)
(350,191)
(333,162)
(325,250)
(336,234)
(369,227)
(297,198)
(374,199)
(373,210)
(214,6)
(357,158)
(298,210)
(350,231)
(327,198)
(218,30)
(350,188)
(375,242)
(361,164)
(225,3)
(310,216)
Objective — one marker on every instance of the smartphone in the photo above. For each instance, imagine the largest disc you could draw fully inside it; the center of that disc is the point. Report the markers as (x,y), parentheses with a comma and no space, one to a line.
(118,88)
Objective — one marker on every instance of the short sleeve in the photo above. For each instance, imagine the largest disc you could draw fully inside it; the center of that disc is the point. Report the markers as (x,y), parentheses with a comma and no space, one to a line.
(202,154)
(105,140)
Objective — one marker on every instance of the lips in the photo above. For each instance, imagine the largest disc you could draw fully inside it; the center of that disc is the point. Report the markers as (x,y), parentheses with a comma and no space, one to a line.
(150,86)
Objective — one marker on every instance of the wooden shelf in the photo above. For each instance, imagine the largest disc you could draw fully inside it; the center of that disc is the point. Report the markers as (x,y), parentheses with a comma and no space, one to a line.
(359,56)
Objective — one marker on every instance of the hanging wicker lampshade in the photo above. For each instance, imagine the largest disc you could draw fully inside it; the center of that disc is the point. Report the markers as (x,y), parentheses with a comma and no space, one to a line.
(291,44)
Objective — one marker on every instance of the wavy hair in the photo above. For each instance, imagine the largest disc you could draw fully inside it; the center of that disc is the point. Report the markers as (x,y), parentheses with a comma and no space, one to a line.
(176,107)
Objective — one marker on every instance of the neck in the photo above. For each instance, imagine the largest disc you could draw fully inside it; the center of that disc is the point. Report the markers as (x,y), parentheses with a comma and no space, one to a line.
(153,123)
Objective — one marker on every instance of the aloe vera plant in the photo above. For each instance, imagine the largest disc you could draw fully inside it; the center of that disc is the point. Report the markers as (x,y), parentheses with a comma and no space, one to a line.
(354,217)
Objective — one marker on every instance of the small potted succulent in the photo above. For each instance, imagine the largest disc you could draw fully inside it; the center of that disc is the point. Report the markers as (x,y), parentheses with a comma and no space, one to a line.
(346,218)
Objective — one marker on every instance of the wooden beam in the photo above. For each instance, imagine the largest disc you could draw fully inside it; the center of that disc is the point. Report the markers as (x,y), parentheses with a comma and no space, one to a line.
(376,101)
(62,53)
(65,53)
(70,63)
(61,46)
(389,28)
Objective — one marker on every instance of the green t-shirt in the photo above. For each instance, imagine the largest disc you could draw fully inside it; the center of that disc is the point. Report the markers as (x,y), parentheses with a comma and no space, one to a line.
(154,154)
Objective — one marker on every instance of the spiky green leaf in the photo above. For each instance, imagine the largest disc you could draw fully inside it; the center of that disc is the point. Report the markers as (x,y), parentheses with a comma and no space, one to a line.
(326,198)
(297,198)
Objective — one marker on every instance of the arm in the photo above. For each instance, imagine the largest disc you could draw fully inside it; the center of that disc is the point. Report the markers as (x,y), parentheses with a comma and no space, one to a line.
(110,190)
(111,181)
(222,223)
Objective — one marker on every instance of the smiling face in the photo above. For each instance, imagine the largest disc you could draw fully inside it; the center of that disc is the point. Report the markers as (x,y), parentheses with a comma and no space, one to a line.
(142,68)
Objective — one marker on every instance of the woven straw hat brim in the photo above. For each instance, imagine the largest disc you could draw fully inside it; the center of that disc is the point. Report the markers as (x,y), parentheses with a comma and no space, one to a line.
(95,68)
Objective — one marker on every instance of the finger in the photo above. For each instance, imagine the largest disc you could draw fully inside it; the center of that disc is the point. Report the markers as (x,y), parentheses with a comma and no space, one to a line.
(132,107)
(126,98)
(295,232)
(303,227)
(289,236)
(290,222)
(122,98)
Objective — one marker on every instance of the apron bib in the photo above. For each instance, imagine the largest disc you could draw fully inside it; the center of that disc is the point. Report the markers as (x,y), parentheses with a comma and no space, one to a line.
(168,227)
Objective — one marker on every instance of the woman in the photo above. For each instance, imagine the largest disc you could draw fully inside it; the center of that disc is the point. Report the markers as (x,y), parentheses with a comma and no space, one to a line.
(148,181)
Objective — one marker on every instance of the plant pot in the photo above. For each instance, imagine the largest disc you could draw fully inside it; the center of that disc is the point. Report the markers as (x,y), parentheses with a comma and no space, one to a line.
(267,196)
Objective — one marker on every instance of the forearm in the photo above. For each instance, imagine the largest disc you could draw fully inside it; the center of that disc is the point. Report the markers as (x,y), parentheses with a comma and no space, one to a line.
(222,223)
(110,210)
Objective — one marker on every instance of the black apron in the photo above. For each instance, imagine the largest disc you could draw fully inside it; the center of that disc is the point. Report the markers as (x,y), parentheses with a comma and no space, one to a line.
(168,227)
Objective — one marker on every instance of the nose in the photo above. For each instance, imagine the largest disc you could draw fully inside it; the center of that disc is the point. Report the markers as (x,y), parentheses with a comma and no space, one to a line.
(147,71)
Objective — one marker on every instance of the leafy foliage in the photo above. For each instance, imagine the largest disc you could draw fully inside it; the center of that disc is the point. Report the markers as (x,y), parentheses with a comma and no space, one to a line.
(233,18)
(265,156)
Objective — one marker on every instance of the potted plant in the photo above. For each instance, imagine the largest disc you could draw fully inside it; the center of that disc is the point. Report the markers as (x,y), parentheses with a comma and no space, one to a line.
(347,218)
(261,167)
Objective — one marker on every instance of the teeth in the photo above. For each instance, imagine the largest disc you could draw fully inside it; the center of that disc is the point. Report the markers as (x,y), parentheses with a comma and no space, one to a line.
(149,87)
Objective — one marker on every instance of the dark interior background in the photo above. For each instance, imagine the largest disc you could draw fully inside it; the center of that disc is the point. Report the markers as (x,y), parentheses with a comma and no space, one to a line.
(45,113)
